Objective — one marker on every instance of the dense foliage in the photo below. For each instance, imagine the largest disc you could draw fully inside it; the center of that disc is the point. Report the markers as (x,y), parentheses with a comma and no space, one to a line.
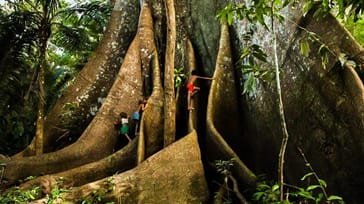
(75,32)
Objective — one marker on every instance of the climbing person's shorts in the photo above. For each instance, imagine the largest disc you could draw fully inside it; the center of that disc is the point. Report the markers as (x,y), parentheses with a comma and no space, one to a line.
(135,116)
(124,129)
(190,87)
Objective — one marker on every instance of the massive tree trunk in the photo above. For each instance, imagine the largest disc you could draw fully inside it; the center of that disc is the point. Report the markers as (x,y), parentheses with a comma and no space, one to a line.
(170,101)
(92,84)
(223,119)
(99,138)
(324,115)
(181,180)
(323,106)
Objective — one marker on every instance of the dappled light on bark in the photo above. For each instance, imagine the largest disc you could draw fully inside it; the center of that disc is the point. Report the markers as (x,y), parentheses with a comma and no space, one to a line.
(99,138)
(169,85)
(92,83)
(122,160)
(151,130)
(323,107)
(149,183)
(223,124)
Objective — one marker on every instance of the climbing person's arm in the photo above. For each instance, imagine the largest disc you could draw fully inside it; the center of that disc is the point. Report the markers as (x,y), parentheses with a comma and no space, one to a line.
(144,106)
(127,136)
(140,107)
(208,78)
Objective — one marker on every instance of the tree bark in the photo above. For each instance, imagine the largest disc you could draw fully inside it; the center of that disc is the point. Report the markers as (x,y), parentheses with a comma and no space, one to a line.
(92,83)
(149,183)
(120,161)
(99,139)
(151,132)
(323,110)
(169,85)
(223,125)
(321,116)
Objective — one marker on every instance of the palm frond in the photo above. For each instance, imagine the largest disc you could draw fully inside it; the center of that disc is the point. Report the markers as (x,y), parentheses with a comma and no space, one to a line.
(93,15)
(71,38)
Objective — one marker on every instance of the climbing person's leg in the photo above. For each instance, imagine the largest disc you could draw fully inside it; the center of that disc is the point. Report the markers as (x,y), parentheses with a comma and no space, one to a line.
(189,100)
(195,90)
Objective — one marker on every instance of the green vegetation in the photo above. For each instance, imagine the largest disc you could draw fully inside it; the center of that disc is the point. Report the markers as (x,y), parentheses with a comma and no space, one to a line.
(355,27)
(179,76)
(72,43)
(75,31)
(223,196)
(268,192)
(314,192)
(17,196)
(252,56)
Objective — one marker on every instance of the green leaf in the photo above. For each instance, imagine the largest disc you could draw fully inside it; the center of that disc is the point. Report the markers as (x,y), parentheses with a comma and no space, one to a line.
(319,197)
(279,17)
(334,197)
(221,15)
(245,53)
(312,187)
(324,54)
(260,17)
(305,48)
(230,18)
(250,84)
(307,7)
(340,4)
(259,53)
(306,194)
(323,183)
(306,175)
(275,187)
(257,195)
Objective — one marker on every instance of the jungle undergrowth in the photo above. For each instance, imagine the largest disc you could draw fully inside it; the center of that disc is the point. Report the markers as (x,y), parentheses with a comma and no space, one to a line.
(268,192)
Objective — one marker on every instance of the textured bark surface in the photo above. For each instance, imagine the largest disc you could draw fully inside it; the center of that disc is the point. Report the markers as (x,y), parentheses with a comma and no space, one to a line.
(224,130)
(323,107)
(151,128)
(120,161)
(99,138)
(93,82)
(169,85)
(323,112)
(173,175)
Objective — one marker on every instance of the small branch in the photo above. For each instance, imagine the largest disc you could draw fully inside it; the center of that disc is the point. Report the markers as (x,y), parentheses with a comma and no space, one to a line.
(63,135)
(236,190)
(313,172)
(292,186)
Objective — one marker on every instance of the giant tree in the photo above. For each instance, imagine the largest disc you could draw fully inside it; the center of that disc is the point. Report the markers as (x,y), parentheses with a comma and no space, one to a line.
(323,106)
(22,28)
